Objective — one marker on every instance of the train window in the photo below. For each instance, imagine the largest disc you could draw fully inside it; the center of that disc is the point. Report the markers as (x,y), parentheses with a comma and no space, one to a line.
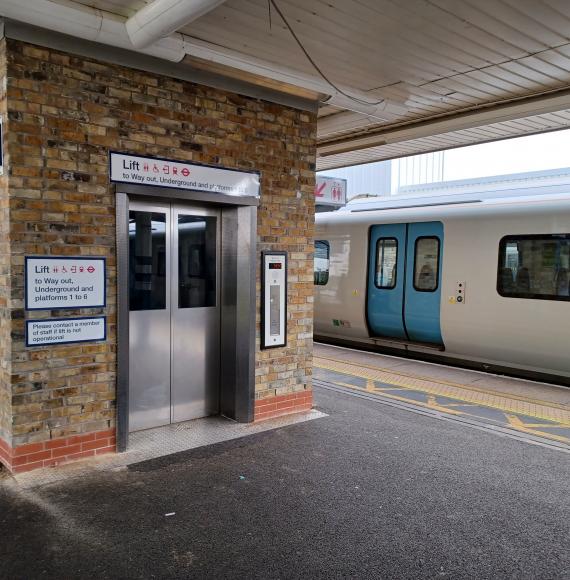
(386,261)
(426,264)
(322,261)
(534,266)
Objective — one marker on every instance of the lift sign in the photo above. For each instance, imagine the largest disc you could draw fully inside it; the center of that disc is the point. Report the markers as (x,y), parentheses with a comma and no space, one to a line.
(182,175)
(64,283)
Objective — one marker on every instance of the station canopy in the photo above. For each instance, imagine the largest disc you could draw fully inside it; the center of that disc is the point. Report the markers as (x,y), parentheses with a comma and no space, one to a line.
(391,77)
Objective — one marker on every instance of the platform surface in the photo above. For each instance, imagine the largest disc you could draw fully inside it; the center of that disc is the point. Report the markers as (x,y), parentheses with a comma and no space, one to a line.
(160,442)
(368,491)
(537,409)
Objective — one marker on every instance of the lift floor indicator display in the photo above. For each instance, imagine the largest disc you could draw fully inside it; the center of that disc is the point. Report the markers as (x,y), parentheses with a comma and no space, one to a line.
(274,306)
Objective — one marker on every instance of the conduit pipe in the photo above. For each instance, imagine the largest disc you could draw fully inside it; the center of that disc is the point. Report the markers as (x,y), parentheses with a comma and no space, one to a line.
(384,110)
(163,17)
(87,23)
(100,26)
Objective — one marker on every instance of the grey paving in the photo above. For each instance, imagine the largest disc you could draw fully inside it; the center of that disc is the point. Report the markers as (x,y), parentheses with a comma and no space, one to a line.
(161,441)
(368,492)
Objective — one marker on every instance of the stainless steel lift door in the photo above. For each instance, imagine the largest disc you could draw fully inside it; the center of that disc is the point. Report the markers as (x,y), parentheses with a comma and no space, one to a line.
(149,315)
(174,319)
(195,313)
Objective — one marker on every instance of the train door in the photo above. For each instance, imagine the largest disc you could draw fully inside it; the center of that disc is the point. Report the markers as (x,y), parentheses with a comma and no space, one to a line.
(423,282)
(404,286)
(386,280)
(174,314)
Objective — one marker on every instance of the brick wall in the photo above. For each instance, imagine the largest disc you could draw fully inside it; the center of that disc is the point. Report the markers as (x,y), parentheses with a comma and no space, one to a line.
(5,315)
(64,114)
(286,223)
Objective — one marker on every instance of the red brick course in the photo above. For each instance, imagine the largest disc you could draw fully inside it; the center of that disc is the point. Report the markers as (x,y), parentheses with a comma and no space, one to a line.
(56,451)
(270,407)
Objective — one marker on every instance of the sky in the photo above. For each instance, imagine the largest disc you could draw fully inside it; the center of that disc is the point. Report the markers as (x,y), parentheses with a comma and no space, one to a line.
(517,155)
(532,153)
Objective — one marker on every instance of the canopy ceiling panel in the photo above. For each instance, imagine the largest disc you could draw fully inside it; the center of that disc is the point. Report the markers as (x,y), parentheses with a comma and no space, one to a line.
(418,59)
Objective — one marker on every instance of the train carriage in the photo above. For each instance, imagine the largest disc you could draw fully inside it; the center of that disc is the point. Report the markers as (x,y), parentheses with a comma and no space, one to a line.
(478,282)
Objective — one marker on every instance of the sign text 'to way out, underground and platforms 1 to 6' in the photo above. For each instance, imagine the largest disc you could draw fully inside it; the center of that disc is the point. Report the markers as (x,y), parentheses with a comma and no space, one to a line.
(53,283)
(182,175)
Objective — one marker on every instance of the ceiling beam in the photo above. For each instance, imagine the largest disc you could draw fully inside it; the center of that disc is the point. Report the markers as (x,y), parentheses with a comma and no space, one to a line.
(519,109)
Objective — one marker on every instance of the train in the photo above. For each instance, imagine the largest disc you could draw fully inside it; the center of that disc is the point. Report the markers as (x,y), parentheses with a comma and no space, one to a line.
(475,282)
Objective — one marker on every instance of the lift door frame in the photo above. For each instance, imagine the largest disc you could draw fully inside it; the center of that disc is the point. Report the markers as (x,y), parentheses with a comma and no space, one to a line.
(237,297)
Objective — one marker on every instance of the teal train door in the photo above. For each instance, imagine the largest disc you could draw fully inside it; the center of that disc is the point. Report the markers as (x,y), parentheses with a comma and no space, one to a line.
(404,281)
(386,280)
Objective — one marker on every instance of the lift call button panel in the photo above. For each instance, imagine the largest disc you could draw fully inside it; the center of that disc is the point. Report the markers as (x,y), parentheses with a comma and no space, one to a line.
(274,315)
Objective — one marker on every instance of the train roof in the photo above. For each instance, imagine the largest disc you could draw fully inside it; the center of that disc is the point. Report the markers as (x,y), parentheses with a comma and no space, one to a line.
(536,200)
(418,200)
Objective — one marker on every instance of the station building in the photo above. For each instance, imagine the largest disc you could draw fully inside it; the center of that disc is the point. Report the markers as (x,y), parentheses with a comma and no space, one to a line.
(163,186)
(158,170)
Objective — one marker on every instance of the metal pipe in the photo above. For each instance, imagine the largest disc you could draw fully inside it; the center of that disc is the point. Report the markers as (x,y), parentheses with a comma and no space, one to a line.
(87,23)
(161,18)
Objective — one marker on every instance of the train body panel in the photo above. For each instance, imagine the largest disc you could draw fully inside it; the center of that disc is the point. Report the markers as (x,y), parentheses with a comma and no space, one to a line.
(484,326)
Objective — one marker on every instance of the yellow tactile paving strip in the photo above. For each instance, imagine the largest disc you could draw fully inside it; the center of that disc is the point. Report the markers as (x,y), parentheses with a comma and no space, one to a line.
(510,404)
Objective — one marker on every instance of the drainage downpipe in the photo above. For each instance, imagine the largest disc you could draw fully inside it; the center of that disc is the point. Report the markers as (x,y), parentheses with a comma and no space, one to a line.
(161,18)
(87,23)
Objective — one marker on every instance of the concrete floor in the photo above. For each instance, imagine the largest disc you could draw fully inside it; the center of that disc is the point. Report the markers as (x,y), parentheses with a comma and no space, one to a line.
(159,442)
(370,491)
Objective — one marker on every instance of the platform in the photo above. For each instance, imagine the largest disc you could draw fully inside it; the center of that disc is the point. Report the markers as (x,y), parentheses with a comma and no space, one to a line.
(538,410)
(369,491)
(161,442)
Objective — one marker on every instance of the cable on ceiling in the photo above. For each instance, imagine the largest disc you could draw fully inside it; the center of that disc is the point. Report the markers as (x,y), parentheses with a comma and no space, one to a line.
(315,65)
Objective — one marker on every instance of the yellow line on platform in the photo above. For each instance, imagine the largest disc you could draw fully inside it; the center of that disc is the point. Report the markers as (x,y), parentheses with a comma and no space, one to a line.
(433,404)
(439,381)
(513,421)
(429,405)
(512,404)
(519,425)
